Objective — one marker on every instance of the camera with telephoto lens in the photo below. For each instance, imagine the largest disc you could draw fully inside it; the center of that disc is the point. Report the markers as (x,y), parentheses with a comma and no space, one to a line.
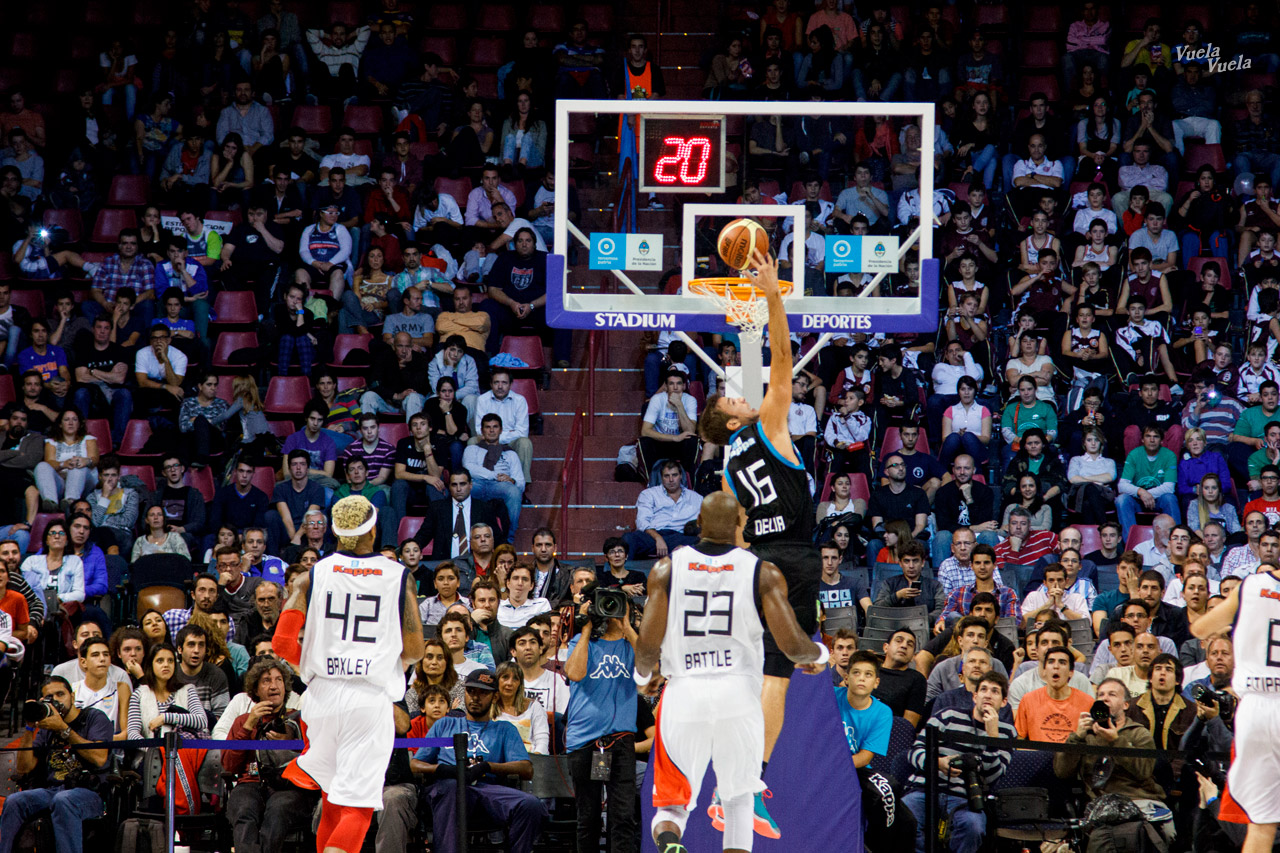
(1206,695)
(608,604)
(1101,714)
(970,767)
(38,710)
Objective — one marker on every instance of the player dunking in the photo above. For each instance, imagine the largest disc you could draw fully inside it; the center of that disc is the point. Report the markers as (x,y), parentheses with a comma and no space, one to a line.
(711,595)
(1252,794)
(361,636)
(762,469)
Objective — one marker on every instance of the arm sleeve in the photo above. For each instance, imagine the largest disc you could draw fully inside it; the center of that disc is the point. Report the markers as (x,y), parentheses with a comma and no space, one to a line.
(344,246)
(540,732)
(193,718)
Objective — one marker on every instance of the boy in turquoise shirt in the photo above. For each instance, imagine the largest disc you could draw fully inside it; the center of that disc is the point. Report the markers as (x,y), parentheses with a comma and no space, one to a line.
(1148,479)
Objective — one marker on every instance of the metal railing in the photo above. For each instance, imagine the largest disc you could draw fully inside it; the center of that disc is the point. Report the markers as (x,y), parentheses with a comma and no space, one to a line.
(571,474)
(597,343)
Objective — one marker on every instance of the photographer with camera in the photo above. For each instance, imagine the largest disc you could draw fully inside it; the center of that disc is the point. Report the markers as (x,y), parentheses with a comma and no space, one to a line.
(965,770)
(1107,724)
(65,779)
(600,722)
(264,807)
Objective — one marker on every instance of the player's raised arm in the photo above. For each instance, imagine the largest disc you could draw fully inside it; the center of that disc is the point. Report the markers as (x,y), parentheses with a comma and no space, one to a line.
(777,399)
(414,645)
(782,623)
(653,627)
(1218,619)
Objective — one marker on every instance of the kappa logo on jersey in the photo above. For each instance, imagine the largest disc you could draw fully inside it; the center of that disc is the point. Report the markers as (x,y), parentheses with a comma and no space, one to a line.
(712,569)
(737,446)
(475,745)
(1269,593)
(611,666)
(357,572)
(851,735)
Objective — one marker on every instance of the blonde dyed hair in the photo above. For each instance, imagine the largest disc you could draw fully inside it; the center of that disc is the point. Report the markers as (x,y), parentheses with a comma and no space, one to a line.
(246,389)
(348,514)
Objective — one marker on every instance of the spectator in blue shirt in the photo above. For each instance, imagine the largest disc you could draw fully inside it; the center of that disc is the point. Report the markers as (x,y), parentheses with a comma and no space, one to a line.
(494,749)
(661,515)
(47,359)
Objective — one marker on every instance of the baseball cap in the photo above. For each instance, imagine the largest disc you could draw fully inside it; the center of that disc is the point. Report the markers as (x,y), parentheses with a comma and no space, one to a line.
(482,679)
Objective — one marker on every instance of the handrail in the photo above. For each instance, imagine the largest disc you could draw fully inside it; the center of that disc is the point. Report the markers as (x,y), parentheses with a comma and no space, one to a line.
(623,217)
(597,340)
(571,474)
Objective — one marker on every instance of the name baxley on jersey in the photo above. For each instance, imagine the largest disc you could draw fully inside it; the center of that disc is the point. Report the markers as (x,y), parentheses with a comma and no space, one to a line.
(1212,55)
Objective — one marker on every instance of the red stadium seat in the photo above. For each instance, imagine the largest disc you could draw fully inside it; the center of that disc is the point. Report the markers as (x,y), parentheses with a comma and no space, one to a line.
(459,188)
(346,383)
(314,120)
(486,52)
(226,387)
(345,344)
(7,394)
(345,12)
(797,191)
(1040,53)
(528,389)
(282,429)
(893,441)
(445,47)
(1090,539)
(1204,154)
(996,15)
(264,477)
(422,150)
(202,480)
(68,220)
(449,17)
(100,429)
(1041,19)
(409,527)
(24,46)
(517,190)
(547,17)
(1196,265)
(1138,534)
(392,433)
(858,489)
(109,224)
(37,530)
(32,300)
(129,191)
(1140,12)
(135,439)
(236,308)
(527,348)
(145,473)
(1028,84)
(496,18)
(599,17)
(229,342)
(287,395)
(231,216)
(364,120)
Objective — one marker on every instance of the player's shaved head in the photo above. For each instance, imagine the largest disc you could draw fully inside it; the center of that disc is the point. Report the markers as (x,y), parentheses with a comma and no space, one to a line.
(719,518)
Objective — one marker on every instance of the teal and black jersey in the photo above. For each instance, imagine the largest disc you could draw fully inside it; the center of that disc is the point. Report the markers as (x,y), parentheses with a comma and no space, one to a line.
(773,490)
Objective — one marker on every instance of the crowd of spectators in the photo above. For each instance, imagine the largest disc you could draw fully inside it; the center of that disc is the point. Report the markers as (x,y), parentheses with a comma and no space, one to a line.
(1079,463)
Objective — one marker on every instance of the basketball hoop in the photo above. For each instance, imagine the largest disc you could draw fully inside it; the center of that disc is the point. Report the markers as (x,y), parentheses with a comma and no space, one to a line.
(743,303)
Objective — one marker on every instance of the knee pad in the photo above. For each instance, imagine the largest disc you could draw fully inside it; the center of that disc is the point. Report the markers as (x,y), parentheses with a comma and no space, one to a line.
(677,815)
(739,822)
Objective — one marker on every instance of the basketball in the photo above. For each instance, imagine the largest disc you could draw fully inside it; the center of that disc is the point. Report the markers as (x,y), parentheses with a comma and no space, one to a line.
(738,239)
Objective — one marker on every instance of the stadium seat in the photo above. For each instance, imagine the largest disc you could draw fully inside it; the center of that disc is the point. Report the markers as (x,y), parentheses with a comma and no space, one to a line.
(392,433)
(364,120)
(1204,154)
(100,428)
(1089,539)
(1042,19)
(1029,84)
(445,47)
(69,220)
(229,342)
(32,300)
(486,52)
(287,395)
(797,191)
(37,530)
(517,190)
(345,344)
(226,386)
(1196,267)
(346,383)
(459,188)
(1138,13)
(6,389)
(499,18)
(202,480)
(129,191)
(450,16)
(136,434)
(264,477)
(599,17)
(314,120)
(527,348)
(992,15)
(422,150)
(409,527)
(145,473)
(345,11)
(893,441)
(230,216)
(1040,53)
(236,308)
(24,46)
(528,388)
(547,17)
(110,222)
(858,489)
(282,429)
(1138,534)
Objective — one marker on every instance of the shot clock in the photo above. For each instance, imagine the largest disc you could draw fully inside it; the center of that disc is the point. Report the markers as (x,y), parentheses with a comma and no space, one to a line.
(680,154)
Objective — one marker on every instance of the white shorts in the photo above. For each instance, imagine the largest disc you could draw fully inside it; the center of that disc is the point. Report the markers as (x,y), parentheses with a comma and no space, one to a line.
(350,732)
(701,721)
(1254,779)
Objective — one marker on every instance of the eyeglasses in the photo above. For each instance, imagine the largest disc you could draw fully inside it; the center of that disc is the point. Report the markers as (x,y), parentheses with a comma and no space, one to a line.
(315,524)
(172,467)
(57,533)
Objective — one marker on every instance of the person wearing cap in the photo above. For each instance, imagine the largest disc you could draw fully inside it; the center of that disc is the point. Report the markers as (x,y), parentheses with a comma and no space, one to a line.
(495,749)
(325,249)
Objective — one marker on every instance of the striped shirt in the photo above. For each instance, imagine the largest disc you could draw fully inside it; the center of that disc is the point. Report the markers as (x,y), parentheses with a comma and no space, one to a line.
(956,721)
(382,456)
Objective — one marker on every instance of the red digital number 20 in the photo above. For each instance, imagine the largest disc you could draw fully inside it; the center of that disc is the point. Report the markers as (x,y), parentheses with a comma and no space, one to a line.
(688,172)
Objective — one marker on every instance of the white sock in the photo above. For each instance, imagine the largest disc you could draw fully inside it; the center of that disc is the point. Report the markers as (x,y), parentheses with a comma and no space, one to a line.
(739,822)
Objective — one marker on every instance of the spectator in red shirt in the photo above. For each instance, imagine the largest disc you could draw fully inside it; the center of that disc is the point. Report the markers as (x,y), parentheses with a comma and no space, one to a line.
(1023,547)
(391,199)
(13,603)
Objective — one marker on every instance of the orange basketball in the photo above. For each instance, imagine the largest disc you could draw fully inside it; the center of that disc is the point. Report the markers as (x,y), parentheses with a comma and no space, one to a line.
(738,238)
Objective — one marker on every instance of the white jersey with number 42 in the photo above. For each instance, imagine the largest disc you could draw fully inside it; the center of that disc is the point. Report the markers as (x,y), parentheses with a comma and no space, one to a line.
(713,624)
(353,622)
(1256,637)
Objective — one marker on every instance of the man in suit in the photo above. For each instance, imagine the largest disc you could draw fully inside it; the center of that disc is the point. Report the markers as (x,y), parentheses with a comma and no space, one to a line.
(448,523)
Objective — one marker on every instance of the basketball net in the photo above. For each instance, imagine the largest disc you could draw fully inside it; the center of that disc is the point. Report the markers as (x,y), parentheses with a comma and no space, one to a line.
(743,303)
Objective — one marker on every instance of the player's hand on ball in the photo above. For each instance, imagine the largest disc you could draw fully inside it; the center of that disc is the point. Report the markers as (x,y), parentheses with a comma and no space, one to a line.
(766,269)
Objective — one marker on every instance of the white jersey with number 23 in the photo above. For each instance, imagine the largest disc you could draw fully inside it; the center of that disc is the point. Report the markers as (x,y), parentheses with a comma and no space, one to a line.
(713,624)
